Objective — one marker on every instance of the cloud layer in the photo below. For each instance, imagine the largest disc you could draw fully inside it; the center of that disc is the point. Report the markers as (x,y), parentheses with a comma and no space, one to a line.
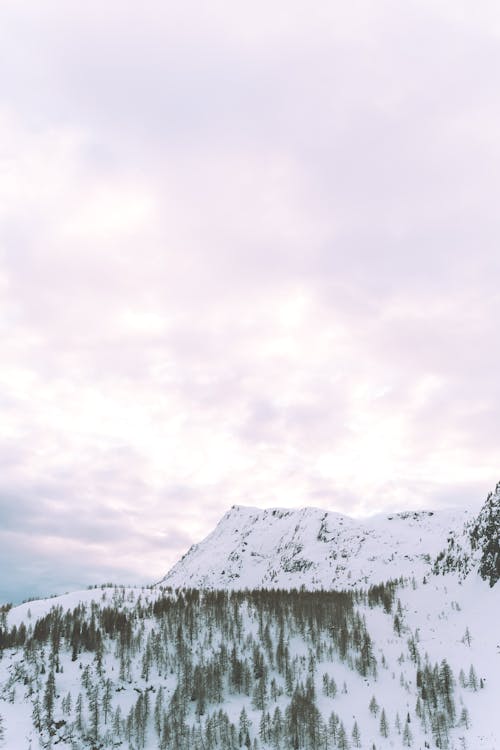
(247,255)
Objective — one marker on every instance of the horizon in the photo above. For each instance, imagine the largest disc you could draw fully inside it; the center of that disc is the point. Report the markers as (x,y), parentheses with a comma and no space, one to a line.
(147,584)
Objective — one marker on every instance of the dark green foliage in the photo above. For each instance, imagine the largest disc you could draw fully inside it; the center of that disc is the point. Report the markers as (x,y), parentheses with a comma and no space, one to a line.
(302,718)
(382,594)
(436,705)
(374,707)
(49,698)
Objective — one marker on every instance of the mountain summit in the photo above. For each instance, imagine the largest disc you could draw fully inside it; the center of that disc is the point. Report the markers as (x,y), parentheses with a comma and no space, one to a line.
(315,549)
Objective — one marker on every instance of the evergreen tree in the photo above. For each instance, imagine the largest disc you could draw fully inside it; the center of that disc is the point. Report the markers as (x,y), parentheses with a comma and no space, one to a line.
(472,683)
(397,724)
(49,698)
(277,728)
(36,715)
(374,707)
(158,711)
(79,713)
(67,704)
(333,727)
(383,725)
(356,735)
(464,720)
(244,726)
(407,735)
(342,740)
(117,723)
(94,711)
(106,699)
(265,727)
(467,638)
(439,724)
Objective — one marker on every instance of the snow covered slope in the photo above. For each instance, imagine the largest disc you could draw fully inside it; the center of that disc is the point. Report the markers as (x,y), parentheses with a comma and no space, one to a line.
(278,548)
(477,547)
(409,665)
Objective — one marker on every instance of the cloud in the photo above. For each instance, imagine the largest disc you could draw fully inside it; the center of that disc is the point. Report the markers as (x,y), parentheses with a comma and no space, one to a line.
(246,256)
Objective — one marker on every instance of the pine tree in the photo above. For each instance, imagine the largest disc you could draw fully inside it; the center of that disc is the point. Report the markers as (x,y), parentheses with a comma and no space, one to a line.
(467,639)
(472,678)
(49,698)
(333,725)
(94,712)
(464,718)
(356,735)
(265,727)
(440,728)
(244,725)
(397,624)
(397,724)
(37,715)
(158,711)
(117,723)
(79,712)
(277,727)
(106,699)
(407,736)
(342,740)
(67,704)
(374,707)
(384,725)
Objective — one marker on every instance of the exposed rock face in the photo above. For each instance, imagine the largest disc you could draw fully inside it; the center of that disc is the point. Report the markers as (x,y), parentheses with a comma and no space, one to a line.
(477,546)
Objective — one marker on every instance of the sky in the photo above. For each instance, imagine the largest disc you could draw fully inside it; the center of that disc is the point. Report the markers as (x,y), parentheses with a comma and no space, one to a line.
(249,254)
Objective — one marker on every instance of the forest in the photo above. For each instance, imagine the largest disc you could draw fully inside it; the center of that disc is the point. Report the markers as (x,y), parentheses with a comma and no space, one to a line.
(200,670)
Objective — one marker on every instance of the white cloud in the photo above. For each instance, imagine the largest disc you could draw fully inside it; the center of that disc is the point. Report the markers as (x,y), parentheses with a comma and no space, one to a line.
(246,255)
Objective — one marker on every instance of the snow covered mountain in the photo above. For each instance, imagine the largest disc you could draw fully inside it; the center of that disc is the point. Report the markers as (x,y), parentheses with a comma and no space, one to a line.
(412,662)
(278,548)
(477,546)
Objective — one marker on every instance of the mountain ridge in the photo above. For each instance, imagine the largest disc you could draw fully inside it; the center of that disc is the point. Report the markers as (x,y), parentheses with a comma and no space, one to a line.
(314,548)
(317,549)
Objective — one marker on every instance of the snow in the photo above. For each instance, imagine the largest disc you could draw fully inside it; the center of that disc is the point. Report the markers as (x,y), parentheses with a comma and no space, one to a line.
(280,548)
(32,610)
(437,613)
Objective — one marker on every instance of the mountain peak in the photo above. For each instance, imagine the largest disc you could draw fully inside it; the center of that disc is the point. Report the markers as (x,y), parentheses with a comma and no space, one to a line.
(290,548)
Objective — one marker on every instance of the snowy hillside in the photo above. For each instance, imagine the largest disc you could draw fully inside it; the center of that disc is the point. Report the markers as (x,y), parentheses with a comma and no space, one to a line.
(413,665)
(288,549)
(283,629)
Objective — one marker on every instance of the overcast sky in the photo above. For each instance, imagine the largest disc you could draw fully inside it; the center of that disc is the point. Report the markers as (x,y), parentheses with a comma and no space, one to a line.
(249,254)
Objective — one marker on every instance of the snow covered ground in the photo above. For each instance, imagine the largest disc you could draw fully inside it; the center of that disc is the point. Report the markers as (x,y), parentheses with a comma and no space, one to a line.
(443,618)
(434,680)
